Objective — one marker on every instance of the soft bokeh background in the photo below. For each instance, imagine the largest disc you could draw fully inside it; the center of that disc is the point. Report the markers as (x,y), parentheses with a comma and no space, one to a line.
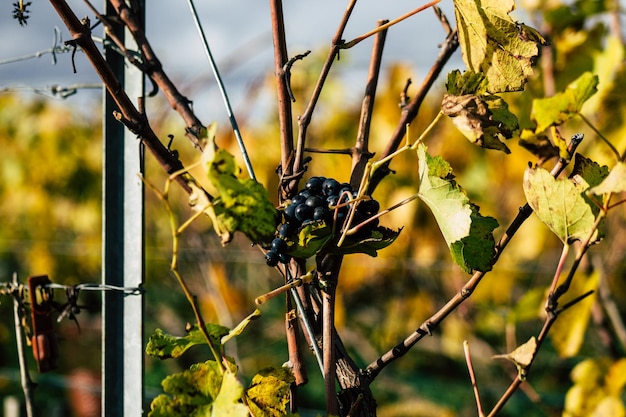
(50,188)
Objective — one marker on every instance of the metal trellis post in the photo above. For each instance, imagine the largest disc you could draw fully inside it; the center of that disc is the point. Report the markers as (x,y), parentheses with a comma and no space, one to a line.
(123,246)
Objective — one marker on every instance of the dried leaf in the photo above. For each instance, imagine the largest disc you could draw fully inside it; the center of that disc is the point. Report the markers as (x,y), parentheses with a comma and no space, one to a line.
(484,119)
(522,356)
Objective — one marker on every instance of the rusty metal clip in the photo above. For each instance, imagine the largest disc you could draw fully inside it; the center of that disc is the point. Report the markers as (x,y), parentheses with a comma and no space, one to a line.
(44,339)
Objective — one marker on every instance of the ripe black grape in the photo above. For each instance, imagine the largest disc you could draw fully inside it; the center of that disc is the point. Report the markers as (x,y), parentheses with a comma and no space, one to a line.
(304,212)
(278,245)
(271,258)
(314,185)
(319,201)
(330,187)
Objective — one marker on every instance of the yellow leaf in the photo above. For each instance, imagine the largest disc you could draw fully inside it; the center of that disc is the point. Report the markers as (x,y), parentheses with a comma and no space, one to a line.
(493,44)
(568,332)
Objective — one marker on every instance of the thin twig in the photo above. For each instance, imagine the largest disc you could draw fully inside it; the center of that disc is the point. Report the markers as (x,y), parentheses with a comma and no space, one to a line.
(328,267)
(361,154)
(153,68)
(28,386)
(387,25)
(601,136)
(284,99)
(410,111)
(82,37)
(305,119)
(176,231)
(470,369)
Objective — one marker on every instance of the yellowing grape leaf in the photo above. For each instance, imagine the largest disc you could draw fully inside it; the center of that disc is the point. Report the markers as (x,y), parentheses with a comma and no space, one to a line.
(484,119)
(553,111)
(468,234)
(522,356)
(241,326)
(559,204)
(190,392)
(163,346)
(493,44)
(229,399)
(240,204)
(268,394)
(568,332)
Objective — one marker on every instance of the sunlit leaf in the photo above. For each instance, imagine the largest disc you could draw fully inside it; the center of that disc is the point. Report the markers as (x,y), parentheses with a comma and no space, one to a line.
(241,326)
(522,356)
(162,345)
(615,181)
(559,204)
(484,119)
(240,204)
(229,399)
(568,332)
(268,394)
(555,110)
(493,44)
(188,393)
(468,234)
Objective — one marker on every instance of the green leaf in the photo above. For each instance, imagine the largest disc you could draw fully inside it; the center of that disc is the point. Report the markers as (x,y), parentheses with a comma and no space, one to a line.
(379,238)
(493,44)
(468,234)
(468,82)
(559,204)
(188,393)
(162,345)
(311,238)
(240,204)
(268,394)
(568,332)
(614,182)
(555,110)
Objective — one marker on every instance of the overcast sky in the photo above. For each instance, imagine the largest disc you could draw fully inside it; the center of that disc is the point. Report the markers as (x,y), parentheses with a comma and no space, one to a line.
(236,29)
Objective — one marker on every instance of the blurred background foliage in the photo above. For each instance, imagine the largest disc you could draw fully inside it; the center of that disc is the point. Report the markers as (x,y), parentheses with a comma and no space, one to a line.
(50,206)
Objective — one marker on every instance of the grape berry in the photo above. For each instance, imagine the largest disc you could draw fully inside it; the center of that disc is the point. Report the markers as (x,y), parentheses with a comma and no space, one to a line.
(318,201)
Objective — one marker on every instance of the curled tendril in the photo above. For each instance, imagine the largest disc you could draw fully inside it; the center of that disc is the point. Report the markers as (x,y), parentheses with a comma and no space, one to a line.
(20,12)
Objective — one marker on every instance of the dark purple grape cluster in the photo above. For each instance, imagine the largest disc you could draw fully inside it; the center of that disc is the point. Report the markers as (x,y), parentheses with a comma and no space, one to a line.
(321,199)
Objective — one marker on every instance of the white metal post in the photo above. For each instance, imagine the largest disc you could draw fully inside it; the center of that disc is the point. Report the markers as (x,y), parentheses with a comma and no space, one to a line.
(123,247)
